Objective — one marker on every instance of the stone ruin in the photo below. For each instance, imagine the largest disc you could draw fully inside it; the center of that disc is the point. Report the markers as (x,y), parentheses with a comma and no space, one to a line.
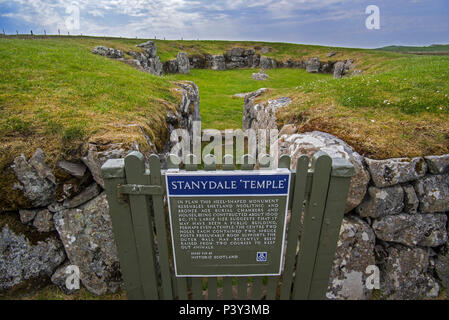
(235,58)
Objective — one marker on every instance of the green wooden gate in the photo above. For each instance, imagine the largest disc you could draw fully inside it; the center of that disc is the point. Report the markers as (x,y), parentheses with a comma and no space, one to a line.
(140,224)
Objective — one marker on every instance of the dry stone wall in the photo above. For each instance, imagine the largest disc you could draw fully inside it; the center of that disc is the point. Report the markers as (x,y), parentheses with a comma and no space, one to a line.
(396,214)
(70,214)
(148,61)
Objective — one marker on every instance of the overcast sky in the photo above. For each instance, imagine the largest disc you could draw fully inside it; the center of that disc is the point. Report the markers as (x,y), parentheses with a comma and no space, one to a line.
(324,22)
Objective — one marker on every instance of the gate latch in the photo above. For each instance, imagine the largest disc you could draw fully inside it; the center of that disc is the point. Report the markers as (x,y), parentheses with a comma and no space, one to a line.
(136,189)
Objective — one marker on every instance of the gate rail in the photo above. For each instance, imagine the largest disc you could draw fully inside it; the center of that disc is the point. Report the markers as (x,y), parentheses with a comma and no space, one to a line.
(136,204)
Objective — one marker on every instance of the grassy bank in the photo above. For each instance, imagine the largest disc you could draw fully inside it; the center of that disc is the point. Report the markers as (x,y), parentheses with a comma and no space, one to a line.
(55,95)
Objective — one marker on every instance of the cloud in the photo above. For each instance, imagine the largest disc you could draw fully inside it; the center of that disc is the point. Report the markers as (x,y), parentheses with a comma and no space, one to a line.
(279,20)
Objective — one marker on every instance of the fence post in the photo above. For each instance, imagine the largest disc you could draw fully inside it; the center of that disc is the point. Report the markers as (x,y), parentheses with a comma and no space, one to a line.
(113,173)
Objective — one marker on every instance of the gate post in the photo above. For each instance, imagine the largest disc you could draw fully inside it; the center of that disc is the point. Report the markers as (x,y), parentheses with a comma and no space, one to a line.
(113,173)
(341,174)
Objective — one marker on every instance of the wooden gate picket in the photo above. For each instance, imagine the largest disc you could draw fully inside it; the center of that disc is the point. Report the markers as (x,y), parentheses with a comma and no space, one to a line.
(140,225)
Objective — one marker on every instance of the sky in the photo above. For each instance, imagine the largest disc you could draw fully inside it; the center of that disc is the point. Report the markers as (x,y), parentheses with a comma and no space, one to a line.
(323,22)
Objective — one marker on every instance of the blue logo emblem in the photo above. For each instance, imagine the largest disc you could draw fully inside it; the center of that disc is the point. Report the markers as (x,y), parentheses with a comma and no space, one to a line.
(261,257)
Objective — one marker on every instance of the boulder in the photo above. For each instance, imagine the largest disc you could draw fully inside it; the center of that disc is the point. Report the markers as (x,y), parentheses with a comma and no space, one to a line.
(183,62)
(36,179)
(404,274)
(43,221)
(389,172)
(313,65)
(311,142)
(331,54)
(355,252)
(217,62)
(438,164)
(267,63)
(89,244)
(433,193)
(442,266)
(260,76)
(382,202)
(21,260)
(426,230)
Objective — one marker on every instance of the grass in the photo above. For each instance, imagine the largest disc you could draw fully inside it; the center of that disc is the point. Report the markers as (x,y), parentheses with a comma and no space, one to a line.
(398,110)
(434,48)
(402,112)
(52,292)
(220,109)
(56,95)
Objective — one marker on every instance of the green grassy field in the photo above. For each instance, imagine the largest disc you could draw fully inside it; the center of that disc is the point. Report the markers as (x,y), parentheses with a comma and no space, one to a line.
(55,89)
(434,48)
(220,109)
